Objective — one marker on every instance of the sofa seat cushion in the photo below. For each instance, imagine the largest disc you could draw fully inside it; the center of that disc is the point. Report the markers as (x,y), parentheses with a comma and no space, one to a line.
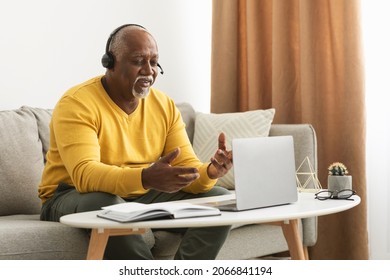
(264,240)
(27,238)
(21,163)
(31,217)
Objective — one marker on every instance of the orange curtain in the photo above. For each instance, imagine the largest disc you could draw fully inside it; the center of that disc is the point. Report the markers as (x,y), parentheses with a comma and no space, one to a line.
(303,58)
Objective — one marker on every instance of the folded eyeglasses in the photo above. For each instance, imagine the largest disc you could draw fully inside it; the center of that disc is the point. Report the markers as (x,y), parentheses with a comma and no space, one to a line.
(342,194)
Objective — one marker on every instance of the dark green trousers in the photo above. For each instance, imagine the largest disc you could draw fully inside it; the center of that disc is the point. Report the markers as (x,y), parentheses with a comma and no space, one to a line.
(196,244)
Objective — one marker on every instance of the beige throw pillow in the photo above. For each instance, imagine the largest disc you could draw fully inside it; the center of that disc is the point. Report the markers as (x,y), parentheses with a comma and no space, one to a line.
(234,125)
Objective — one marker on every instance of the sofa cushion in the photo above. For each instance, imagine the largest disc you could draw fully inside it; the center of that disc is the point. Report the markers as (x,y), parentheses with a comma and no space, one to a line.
(43,117)
(234,125)
(21,163)
(32,239)
(251,241)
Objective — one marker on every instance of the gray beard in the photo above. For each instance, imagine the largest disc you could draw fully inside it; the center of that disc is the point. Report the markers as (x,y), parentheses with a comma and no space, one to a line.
(144,93)
(141,94)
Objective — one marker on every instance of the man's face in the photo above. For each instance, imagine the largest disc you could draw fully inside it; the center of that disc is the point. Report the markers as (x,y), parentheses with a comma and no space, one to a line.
(136,65)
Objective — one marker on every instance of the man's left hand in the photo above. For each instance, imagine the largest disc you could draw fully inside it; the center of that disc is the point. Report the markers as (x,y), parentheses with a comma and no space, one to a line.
(222,160)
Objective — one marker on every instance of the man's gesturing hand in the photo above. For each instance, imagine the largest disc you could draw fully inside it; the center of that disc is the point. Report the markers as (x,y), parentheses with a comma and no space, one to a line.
(222,160)
(163,177)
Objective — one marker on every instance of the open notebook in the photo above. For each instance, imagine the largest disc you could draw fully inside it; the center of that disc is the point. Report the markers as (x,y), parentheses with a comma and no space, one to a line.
(133,211)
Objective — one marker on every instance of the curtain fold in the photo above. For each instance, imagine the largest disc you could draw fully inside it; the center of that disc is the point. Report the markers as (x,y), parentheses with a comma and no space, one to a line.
(303,58)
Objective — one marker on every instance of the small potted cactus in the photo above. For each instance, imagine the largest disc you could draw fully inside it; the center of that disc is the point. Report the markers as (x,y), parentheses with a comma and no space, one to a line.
(338,178)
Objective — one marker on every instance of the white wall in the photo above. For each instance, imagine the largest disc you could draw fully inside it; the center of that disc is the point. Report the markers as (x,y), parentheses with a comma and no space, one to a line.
(377,60)
(48,46)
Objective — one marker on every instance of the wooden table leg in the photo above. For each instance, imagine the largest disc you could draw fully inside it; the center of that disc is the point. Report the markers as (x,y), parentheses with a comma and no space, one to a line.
(294,242)
(97,244)
(99,239)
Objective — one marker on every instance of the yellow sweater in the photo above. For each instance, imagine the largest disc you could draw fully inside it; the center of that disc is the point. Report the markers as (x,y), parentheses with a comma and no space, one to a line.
(95,146)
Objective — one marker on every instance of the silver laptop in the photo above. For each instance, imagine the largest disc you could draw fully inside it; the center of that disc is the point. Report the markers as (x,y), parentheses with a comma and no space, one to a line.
(264,172)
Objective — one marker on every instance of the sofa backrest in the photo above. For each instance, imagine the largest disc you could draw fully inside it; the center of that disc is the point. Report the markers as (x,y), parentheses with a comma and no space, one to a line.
(188,114)
(43,118)
(24,141)
(21,162)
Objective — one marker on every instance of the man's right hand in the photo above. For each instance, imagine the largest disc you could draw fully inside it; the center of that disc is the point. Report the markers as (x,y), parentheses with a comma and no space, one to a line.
(163,177)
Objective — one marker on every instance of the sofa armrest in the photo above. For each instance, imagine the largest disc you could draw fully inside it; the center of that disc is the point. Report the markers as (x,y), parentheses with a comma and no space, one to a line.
(305,145)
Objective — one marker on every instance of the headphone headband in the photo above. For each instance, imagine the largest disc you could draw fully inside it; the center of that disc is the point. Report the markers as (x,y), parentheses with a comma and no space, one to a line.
(108,58)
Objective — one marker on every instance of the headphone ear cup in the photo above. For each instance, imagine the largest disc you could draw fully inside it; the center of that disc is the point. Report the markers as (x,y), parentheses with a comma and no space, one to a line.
(108,60)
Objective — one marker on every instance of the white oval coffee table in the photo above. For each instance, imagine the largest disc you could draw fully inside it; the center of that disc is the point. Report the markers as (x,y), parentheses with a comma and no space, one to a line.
(285,215)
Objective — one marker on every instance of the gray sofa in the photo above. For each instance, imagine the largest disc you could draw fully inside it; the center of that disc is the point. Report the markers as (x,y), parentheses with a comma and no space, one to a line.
(24,140)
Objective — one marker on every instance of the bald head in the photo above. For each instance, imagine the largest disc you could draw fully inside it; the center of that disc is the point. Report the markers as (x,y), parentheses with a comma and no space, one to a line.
(126,37)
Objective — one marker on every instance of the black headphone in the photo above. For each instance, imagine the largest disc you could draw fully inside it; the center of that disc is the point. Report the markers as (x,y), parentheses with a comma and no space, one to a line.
(108,58)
